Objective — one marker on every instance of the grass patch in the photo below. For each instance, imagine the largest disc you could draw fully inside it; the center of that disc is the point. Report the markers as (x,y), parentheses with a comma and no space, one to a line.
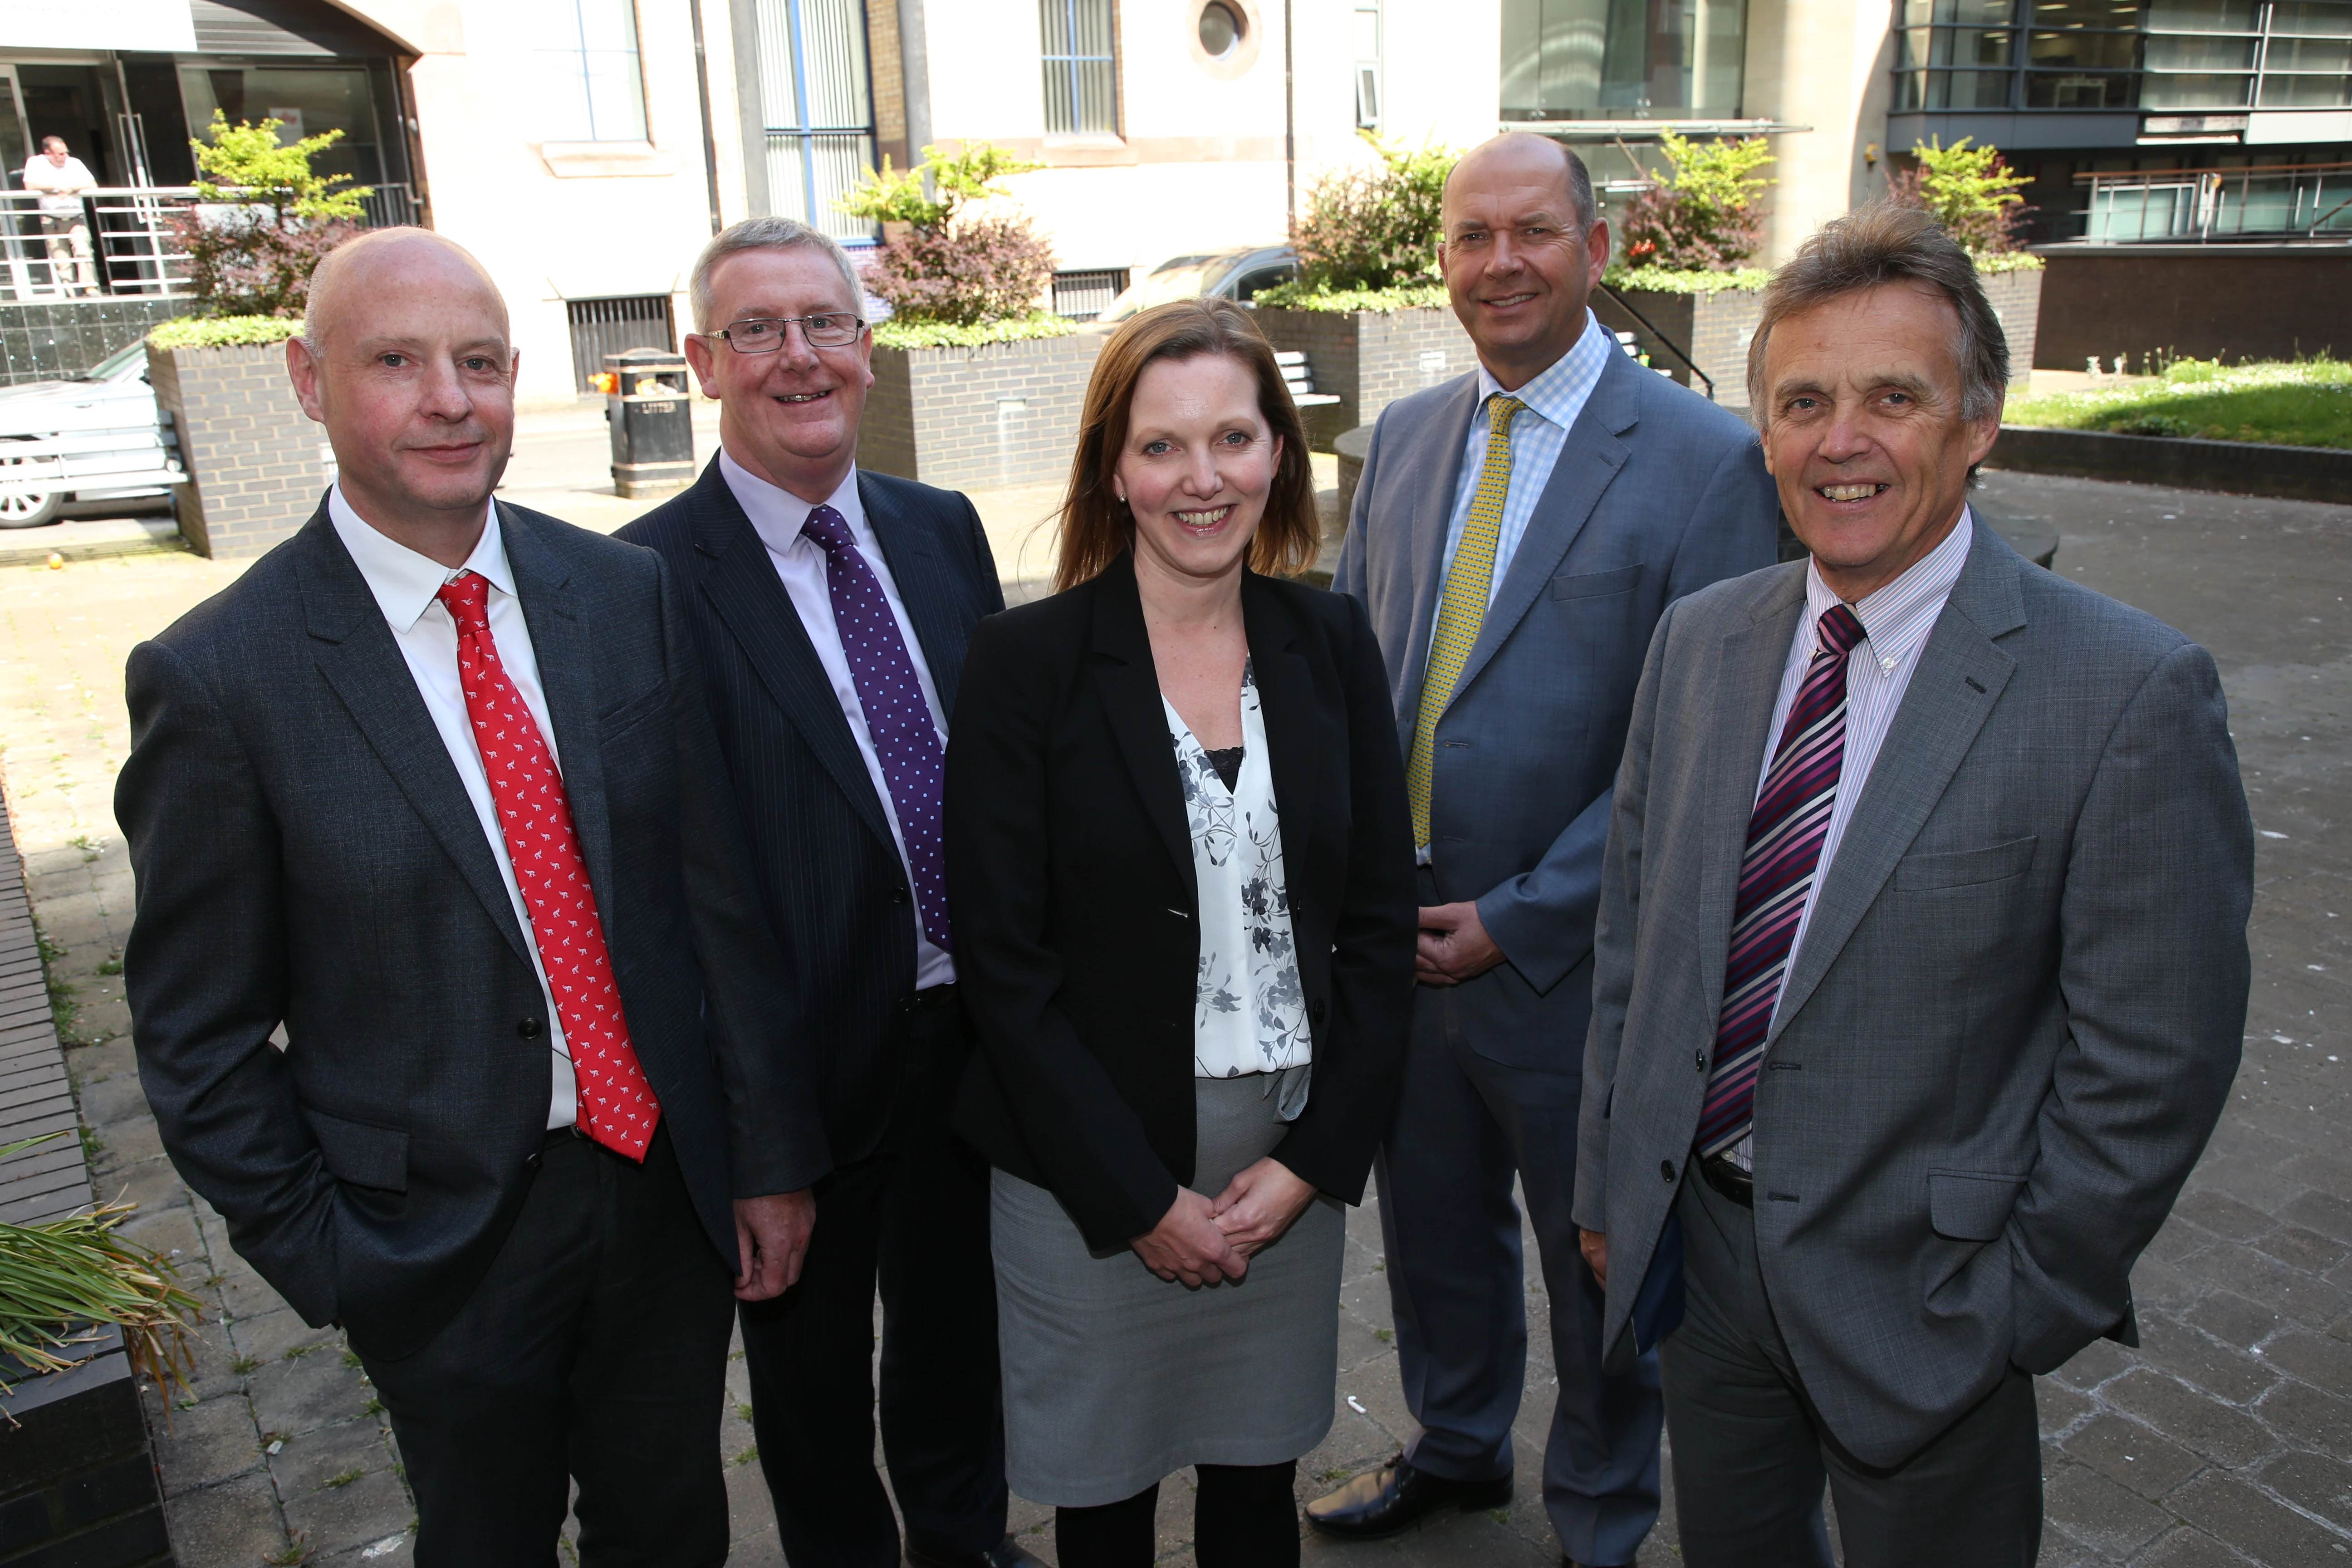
(2305,403)
(898,334)
(346,1479)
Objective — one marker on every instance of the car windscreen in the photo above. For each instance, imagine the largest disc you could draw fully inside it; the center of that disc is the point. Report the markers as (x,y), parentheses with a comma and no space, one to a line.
(1167,283)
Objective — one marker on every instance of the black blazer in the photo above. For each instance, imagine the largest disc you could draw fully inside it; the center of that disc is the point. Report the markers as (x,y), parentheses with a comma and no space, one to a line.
(827,870)
(1070,874)
(306,855)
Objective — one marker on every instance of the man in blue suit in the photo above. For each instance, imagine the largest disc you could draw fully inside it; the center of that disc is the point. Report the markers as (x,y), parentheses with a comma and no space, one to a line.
(1517,533)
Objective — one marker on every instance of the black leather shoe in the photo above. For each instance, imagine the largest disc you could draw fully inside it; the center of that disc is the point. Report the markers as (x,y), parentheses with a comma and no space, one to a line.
(1006,1554)
(1397,1497)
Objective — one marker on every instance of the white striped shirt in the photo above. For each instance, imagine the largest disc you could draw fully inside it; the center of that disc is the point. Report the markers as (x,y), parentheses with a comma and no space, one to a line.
(1555,397)
(1895,621)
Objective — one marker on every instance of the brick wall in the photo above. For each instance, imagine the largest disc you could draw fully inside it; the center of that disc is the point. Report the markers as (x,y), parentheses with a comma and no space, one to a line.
(1006,414)
(1713,329)
(257,465)
(50,339)
(2016,299)
(1368,359)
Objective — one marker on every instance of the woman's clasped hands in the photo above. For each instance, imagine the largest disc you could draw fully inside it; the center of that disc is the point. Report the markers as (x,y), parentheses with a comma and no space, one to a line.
(1203,1242)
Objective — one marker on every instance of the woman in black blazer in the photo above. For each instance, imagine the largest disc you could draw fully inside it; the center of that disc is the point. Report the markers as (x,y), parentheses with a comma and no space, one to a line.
(1182,873)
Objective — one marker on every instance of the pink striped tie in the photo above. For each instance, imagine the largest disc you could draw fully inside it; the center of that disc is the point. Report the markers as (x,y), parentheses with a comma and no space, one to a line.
(1784,848)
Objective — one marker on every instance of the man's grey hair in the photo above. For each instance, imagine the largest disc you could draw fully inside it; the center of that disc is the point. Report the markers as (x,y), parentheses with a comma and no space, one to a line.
(1884,243)
(766,234)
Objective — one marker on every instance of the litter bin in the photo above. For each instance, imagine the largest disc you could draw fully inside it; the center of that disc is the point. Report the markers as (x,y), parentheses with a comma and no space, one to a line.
(652,416)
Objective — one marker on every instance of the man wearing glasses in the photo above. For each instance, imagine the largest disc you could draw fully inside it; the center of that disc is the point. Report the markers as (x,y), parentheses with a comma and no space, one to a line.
(830,608)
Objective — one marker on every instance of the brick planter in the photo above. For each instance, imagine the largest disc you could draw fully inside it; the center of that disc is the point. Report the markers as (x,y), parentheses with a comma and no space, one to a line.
(1004,414)
(2016,299)
(1368,359)
(257,465)
(1713,329)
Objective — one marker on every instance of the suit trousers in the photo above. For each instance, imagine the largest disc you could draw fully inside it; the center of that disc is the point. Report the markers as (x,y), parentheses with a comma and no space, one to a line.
(1465,1125)
(1751,1454)
(594,1350)
(912,1216)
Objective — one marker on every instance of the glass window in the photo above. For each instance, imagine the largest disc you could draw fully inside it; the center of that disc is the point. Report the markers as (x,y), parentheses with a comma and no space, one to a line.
(2084,14)
(586,72)
(2312,19)
(1955,46)
(1958,13)
(1622,60)
(2167,91)
(2051,89)
(2194,52)
(1364,35)
(2309,54)
(1953,89)
(2203,16)
(1080,87)
(816,109)
(305,102)
(2084,51)
(2332,92)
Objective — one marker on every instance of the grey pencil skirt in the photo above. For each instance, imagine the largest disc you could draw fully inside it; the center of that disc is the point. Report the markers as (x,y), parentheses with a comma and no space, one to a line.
(1114,1378)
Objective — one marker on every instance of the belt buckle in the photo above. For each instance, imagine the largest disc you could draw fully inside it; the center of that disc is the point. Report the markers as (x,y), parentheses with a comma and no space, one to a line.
(1730,1180)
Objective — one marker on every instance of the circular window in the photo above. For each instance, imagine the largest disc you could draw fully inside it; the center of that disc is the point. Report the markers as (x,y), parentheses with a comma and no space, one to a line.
(1220,29)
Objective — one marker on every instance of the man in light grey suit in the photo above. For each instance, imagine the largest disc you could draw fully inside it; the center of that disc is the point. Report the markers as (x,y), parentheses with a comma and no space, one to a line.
(1517,534)
(1922,957)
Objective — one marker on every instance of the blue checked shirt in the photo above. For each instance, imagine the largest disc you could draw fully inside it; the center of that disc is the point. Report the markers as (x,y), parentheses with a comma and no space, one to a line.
(1554,399)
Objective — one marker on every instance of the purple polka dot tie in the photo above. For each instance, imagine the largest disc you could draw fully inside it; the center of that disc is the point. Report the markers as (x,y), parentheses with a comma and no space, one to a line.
(896,718)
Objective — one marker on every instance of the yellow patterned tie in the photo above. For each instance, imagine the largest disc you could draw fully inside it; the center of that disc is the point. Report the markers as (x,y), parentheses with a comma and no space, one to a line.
(1469,586)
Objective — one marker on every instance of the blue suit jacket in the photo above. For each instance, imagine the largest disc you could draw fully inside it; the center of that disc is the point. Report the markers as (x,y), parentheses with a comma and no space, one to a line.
(1657,494)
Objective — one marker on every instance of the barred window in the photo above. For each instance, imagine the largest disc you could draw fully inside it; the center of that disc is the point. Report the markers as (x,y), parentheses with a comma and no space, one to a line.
(1081,80)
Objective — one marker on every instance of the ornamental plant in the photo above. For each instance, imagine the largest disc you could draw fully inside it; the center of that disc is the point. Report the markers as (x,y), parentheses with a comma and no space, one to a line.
(1971,190)
(940,264)
(256,258)
(1703,216)
(1372,230)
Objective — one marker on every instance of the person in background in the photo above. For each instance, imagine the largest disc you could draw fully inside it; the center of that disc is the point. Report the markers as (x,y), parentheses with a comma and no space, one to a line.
(831,606)
(431,788)
(1177,846)
(1922,957)
(1517,533)
(61,178)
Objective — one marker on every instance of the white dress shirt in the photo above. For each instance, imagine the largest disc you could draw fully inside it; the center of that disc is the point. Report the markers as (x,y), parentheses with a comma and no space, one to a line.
(777,516)
(58,182)
(406,585)
(1896,622)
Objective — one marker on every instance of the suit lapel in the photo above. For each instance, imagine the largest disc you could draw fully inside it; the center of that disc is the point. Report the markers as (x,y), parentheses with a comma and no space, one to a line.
(1747,684)
(1296,753)
(566,655)
(358,658)
(1588,462)
(924,587)
(1130,684)
(1429,507)
(741,584)
(1959,677)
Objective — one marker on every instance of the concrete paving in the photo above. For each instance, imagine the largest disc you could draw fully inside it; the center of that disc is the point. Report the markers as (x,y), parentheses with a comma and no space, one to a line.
(2224,1439)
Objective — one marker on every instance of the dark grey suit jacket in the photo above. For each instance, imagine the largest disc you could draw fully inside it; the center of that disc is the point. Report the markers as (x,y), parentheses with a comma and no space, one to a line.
(1656,493)
(307,855)
(2016,1014)
(822,857)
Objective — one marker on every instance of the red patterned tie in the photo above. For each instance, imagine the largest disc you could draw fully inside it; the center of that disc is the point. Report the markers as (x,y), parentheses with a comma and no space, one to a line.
(1785,834)
(617,1106)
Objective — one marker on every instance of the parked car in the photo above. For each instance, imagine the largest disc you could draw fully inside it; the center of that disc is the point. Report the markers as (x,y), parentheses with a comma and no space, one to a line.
(1224,274)
(96,438)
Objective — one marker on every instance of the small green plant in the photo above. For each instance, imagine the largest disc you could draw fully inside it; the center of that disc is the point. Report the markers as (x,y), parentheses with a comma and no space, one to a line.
(1298,295)
(269,219)
(747,1455)
(245,1366)
(1971,190)
(351,1359)
(1702,216)
(297,1353)
(1375,229)
(245,163)
(743,1410)
(1384,1335)
(346,1479)
(111,966)
(940,263)
(296,1551)
(899,333)
(372,1406)
(929,194)
(224,331)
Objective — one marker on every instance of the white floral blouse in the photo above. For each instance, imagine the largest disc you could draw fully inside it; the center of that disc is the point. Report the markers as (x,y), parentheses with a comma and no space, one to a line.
(1248,1014)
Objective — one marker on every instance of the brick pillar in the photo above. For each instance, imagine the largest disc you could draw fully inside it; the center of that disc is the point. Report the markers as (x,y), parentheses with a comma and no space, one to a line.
(257,465)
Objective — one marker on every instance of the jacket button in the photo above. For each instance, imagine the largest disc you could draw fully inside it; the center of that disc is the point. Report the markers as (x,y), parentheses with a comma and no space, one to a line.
(531,1163)
(1702,1061)
(1666,1169)
(897,895)
(528,1028)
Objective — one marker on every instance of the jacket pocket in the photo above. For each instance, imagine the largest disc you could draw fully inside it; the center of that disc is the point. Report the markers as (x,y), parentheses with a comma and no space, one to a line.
(1971,1205)
(633,710)
(1594,585)
(1967,867)
(362,1156)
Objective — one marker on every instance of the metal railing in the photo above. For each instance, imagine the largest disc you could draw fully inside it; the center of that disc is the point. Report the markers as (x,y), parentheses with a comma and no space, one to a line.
(2281,201)
(121,242)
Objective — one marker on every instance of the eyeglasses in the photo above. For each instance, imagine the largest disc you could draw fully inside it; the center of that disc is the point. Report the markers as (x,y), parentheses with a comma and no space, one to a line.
(761,335)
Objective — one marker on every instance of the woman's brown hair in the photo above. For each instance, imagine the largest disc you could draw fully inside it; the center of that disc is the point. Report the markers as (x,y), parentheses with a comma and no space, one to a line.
(1096,525)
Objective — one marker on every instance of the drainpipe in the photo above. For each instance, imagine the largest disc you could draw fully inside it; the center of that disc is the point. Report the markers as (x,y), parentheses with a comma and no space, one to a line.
(702,101)
(1289,127)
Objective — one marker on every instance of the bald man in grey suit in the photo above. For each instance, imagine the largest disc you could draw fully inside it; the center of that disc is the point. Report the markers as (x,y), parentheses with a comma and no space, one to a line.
(1921,958)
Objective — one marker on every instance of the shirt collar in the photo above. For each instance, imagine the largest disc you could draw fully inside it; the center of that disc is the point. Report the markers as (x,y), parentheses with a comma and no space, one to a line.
(1898,616)
(777,514)
(1558,390)
(405,583)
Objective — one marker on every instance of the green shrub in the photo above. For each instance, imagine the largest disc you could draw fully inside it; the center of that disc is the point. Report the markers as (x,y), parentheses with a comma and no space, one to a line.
(223,331)
(1298,295)
(1703,216)
(895,333)
(1971,190)
(1375,230)
(950,268)
(1670,280)
(256,258)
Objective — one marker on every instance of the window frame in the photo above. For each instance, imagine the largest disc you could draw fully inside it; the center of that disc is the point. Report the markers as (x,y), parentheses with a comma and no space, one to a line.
(1070,65)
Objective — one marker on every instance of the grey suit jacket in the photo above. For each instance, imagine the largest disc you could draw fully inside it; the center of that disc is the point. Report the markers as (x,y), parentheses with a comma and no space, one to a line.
(2016,1014)
(1657,493)
(307,855)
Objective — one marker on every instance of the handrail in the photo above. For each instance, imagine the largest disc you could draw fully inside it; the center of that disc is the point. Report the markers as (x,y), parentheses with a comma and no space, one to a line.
(1671,346)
